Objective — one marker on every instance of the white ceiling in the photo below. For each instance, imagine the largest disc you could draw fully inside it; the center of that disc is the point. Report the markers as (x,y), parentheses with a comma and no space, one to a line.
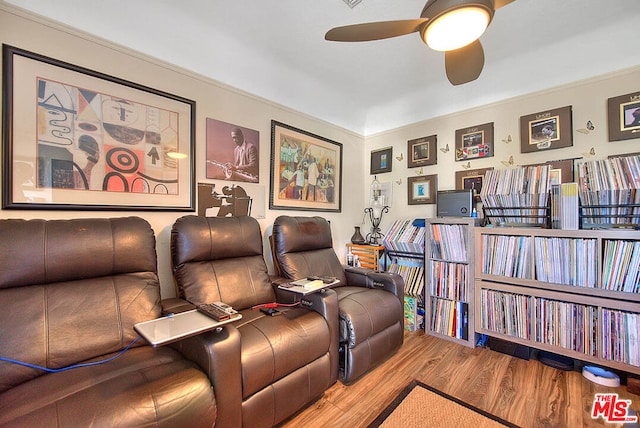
(276,49)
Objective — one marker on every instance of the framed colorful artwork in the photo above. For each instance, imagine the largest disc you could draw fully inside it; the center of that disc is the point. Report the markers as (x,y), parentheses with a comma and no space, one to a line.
(77,139)
(475,142)
(546,130)
(623,114)
(422,189)
(306,170)
(422,151)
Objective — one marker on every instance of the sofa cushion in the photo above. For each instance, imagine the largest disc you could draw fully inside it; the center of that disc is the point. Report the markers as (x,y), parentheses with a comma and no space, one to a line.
(47,251)
(56,325)
(220,263)
(143,387)
(303,246)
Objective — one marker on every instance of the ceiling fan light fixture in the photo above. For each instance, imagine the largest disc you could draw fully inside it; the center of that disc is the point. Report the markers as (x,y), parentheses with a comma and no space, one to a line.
(456,28)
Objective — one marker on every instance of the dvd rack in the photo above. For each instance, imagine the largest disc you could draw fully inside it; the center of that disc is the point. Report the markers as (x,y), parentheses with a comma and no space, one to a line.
(609,216)
(449,279)
(610,192)
(404,255)
(517,196)
(528,216)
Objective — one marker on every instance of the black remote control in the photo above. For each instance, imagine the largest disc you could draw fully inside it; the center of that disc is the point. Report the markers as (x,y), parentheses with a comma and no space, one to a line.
(214,311)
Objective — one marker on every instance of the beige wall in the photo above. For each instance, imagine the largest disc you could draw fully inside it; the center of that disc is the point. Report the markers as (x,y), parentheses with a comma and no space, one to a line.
(213,100)
(217,101)
(588,100)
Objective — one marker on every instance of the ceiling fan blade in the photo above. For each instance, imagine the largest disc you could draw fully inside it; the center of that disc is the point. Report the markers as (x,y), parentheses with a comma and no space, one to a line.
(465,64)
(497,4)
(374,30)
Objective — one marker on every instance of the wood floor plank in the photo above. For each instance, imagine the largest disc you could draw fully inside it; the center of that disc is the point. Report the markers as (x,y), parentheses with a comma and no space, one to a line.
(526,393)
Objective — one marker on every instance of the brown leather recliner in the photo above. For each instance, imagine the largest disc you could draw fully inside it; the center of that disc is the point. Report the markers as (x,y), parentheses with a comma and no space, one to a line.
(70,293)
(370,303)
(265,368)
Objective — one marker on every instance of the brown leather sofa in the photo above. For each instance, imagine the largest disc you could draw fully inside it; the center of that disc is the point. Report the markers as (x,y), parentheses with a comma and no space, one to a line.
(370,303)
(70,293)
(264,368)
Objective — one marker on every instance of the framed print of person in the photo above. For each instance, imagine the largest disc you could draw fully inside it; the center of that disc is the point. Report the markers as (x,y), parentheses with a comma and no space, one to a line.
(233,152)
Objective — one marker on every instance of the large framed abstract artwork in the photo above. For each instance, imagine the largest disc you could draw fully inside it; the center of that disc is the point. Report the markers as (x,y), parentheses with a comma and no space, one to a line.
(77,139)
(306,170)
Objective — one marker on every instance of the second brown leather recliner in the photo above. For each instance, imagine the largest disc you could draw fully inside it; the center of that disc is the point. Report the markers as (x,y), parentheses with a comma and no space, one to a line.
(370,303)
(265,368)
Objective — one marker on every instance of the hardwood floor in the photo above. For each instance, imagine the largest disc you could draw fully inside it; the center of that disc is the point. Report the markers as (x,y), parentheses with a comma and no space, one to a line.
(526,393)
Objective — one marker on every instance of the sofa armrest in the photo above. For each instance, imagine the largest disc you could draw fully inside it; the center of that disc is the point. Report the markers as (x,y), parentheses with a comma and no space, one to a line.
(217,353)
(175,305)
(325,303)
(356,276)
(391,282)
(363,277)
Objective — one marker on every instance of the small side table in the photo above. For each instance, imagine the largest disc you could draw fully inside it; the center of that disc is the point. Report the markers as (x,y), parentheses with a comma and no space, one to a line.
(368,254)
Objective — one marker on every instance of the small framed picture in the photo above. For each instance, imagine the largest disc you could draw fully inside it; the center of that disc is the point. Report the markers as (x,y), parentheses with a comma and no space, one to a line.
(624,117)
(561,170)
(422,189)
(422,151)
(471,179)
(381,160)
(475,142)
(546,130)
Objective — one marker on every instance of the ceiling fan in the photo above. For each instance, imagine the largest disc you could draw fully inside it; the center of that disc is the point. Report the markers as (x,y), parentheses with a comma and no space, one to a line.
(452,26)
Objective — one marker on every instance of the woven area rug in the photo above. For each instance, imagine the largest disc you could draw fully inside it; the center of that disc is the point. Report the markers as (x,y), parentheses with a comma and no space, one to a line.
(419,405)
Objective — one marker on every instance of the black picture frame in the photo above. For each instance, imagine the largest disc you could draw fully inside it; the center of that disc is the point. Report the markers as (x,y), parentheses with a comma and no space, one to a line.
(546,130)
(422,151)
(623,114)
(78,139)
(474,142)
(561,170)
(288,165)
(471,179)
(422,190)
(381,160)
